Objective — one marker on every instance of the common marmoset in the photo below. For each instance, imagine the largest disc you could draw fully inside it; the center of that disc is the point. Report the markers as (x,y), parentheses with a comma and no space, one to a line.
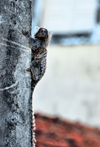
(38,44)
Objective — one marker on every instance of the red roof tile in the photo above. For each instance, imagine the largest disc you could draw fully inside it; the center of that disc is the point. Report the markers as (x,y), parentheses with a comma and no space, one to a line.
(54,132)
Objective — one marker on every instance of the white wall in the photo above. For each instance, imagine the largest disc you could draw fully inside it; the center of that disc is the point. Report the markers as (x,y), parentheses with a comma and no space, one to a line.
(71,85)
(69,16)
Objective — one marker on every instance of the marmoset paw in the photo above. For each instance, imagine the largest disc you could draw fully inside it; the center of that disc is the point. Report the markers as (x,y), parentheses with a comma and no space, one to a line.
(25,32)
(28,70)
(35,63)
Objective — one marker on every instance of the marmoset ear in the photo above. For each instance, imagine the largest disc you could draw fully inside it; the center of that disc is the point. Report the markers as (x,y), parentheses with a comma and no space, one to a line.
(36,29)
(50,35)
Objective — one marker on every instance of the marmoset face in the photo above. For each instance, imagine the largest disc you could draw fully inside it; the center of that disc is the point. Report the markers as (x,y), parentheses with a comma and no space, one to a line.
(42,33)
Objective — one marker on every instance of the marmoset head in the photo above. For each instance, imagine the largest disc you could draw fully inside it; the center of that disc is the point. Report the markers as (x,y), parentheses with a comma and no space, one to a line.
(41,33)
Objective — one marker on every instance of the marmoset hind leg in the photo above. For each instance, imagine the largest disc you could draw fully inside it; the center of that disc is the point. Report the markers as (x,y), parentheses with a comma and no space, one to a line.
(35,68)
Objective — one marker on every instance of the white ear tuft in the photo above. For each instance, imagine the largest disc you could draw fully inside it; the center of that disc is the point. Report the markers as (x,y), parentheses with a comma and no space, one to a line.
(50,35)
(36,28)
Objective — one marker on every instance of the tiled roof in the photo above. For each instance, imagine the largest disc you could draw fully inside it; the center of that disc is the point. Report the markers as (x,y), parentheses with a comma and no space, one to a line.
(54,132)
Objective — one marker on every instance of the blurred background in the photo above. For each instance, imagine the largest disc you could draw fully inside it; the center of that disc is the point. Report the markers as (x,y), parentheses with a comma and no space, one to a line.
(70,88)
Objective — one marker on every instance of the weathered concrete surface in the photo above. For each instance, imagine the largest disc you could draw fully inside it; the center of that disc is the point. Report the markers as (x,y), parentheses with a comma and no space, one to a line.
(71,85)
(15,81)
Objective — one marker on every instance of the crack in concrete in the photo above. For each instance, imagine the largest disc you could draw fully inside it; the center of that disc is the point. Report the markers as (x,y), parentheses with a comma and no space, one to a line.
(3,44)
(22,46)
(6,88)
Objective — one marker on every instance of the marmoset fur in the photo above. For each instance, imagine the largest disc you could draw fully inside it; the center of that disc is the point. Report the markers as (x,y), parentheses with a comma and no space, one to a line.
(38,44)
